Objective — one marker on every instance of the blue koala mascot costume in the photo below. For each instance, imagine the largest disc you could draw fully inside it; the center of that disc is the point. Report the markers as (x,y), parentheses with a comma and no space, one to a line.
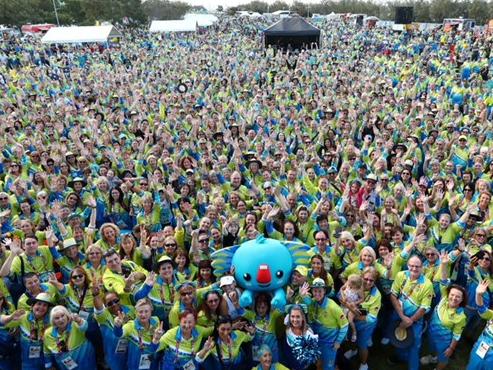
(261,265)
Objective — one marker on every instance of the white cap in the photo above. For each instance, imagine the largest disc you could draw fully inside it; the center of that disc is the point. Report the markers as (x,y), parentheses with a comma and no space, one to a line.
(226,280)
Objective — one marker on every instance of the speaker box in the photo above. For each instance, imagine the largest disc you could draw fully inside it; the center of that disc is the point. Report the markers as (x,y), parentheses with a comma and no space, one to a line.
(359,20)
(404,14)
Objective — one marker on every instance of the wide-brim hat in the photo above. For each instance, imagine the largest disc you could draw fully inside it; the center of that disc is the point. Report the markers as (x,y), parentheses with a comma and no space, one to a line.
(41,297)
(68,243)
(255,160)
(400,337)
(318,283)
(77,179)
(217,134)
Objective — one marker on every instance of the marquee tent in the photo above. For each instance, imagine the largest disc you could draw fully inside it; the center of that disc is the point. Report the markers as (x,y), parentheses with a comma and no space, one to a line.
(292,32)
(173,26)
(202,20)
(36,28)
(84,34)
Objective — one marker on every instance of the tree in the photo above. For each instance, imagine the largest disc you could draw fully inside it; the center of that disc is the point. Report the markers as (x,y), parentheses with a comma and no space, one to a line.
(278,5)
(163,9)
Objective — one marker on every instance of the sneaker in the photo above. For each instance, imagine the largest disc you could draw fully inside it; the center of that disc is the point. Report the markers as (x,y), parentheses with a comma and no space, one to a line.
(363,367)
(430,359)
(385,341)
(350,354)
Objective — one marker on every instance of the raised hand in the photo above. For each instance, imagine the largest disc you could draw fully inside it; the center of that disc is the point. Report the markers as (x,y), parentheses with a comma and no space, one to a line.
(305,289)
(482,287)
(17,315)
(151,279)
(444,258)
(158,333)
(119,319)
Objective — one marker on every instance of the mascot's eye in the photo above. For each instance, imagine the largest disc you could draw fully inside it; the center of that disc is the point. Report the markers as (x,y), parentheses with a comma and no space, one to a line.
(247,277)
(279,274)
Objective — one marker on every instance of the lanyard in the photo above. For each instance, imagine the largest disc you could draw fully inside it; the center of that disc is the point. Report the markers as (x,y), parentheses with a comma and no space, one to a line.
(81,298)
(61,344)
(177,349)
(230,351)
(171,293)
(36,333)
(31,263)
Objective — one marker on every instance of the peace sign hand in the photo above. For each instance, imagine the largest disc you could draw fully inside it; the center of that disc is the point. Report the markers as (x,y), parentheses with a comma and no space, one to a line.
(158,333)
(119,319)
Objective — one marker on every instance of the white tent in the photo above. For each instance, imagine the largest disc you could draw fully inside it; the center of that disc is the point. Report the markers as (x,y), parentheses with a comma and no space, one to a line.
(173,26)
(203,20)
(84,34)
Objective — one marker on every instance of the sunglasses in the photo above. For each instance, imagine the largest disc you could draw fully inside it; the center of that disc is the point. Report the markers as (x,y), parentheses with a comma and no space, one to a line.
(369,280)
(430,254)
(170,245)
(183,294)
(204,241)
(486,259)
(4,198)
(94,253)
(113,302)
(320,240)
(481,235)
(77,277)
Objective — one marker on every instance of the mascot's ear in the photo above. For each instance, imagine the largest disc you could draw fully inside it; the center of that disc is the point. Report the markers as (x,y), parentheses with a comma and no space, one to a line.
(221,260)
(299,253)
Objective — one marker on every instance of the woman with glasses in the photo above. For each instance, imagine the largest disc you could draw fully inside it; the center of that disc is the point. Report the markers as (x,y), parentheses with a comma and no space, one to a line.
(366,315)
(187,300)
(209,310)
(139,334)
(79,300)
(480,269)
(65,344)
(160,288)
(106,308)
(447,321)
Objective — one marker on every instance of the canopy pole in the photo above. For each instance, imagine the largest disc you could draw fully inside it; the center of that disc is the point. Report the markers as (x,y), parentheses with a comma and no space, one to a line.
(56,14)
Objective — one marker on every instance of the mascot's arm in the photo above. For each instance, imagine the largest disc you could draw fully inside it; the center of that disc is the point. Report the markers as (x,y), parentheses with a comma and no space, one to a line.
(279,299)
(246,298)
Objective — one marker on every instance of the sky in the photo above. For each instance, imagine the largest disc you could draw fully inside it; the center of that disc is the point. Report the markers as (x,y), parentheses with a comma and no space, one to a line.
(212,4)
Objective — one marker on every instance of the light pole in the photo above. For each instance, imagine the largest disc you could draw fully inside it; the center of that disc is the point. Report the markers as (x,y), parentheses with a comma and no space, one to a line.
(56,14)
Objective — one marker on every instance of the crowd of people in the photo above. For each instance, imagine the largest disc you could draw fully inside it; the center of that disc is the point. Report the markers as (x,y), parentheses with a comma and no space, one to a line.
(123,167)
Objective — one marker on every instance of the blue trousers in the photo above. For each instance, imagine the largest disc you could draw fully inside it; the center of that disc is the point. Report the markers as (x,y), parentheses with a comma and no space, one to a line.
(478,363)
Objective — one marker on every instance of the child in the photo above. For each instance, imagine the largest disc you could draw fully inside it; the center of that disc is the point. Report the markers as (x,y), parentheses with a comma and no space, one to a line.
(352,294)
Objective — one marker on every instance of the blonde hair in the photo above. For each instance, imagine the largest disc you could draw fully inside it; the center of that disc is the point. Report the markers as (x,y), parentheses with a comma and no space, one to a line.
(355,281)
(57,310)
(143,302)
